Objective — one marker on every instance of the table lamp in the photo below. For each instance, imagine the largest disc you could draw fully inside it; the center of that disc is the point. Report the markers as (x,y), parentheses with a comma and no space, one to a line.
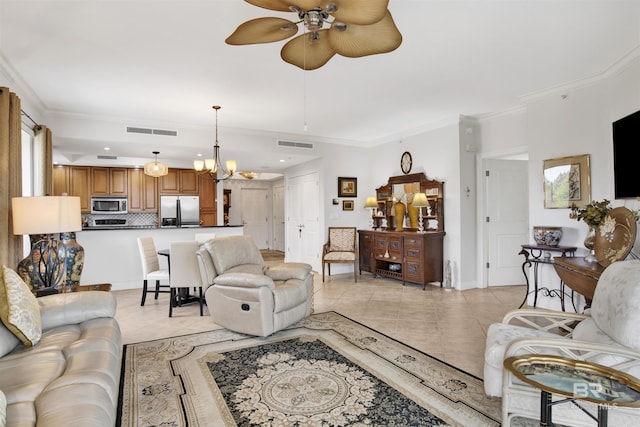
(371,203)
(420,201)
(40,217)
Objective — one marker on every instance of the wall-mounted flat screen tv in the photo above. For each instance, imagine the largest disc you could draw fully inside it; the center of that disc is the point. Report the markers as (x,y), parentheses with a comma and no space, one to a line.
(626,140)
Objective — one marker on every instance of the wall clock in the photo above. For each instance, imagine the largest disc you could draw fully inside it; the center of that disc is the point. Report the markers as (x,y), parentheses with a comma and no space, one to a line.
(406,162)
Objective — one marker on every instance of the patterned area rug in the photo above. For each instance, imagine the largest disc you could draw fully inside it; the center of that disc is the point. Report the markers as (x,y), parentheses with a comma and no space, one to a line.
(326,370)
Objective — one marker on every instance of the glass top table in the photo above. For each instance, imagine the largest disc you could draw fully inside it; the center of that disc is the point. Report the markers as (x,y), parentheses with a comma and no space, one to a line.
(577,380)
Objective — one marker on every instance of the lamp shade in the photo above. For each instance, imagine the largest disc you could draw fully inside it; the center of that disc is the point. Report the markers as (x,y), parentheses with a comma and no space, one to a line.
(371,202)
(46,214)
(156,169)
(420,200)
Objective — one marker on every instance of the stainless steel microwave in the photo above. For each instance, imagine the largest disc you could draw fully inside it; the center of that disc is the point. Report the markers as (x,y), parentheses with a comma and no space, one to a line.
(109,205)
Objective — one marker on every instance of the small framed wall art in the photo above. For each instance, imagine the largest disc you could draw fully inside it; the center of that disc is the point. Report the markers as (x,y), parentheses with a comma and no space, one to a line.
(347,187)
(567,182)
(347,205)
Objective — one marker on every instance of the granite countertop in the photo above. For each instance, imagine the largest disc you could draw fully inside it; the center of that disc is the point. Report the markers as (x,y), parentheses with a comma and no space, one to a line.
(149,227)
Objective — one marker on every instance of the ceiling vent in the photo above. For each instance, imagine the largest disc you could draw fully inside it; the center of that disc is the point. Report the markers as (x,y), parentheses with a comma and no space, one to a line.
(103,157)
(305,145)
(148,131)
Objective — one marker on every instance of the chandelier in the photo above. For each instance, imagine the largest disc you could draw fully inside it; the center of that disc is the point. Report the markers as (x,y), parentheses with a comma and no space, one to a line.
(156,168)
(213,168)
(249,174)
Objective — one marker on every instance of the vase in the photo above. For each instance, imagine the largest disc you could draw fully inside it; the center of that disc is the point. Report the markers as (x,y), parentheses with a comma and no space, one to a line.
(400,210)
(73,255)
(589,243)
(41,268)
(413,216)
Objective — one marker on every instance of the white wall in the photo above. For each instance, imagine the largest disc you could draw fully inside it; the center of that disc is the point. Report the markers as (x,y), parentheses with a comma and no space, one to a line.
(566,122)
(436,153)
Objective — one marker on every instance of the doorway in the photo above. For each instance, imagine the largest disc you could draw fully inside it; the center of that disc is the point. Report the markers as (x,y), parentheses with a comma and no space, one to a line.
(506,218)
(303,218)
(255,215)
(278,217)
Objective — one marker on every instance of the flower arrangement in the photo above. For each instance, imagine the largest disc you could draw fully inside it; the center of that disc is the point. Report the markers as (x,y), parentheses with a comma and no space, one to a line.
(592,214)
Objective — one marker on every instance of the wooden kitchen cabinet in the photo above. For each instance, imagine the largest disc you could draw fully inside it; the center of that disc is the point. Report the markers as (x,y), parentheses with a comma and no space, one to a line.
(109,181)
(208,190)
(407,256)
(80,185)
(179,181)
(73,181)
(60,180)
(143,191)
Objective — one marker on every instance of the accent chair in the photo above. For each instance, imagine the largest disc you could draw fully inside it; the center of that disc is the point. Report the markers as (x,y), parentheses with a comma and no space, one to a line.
(340,248)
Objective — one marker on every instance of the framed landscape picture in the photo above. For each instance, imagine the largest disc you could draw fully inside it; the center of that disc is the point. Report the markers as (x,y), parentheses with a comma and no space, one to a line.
(347,187)
(567,182)
(347,205)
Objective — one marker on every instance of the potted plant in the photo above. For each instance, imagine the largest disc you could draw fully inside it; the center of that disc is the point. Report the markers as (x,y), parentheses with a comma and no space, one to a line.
(592,214)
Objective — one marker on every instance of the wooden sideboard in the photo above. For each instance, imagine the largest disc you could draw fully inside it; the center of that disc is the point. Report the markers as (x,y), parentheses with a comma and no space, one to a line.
(407,256)
(578,274)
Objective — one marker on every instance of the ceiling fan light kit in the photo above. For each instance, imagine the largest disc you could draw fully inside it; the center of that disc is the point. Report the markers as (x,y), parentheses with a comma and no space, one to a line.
(355,28)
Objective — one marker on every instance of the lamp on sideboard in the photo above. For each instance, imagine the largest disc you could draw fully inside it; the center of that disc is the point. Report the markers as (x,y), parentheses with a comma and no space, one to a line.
(420,201)
(51,262)
(371,203)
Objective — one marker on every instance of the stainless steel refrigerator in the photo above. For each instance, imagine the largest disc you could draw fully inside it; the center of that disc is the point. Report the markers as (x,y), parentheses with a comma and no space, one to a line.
(179,211)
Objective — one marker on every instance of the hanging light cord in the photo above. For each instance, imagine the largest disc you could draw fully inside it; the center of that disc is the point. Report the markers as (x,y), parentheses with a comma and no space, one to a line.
(304,79)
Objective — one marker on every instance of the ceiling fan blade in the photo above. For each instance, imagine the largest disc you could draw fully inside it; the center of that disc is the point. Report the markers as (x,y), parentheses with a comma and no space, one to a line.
(362,40)
(362,12)
(308,54)
(284,5)
(262,30)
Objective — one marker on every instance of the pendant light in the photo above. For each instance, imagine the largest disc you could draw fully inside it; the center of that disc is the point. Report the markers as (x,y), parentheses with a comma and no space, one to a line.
(156,168)
(213,168)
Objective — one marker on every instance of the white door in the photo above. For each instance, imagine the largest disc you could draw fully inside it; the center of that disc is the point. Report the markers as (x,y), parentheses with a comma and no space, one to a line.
(303,237)
(507,206)
(278,218)
(255,215)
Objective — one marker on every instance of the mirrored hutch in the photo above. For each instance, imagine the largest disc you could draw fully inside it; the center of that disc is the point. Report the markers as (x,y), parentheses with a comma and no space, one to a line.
(395,248)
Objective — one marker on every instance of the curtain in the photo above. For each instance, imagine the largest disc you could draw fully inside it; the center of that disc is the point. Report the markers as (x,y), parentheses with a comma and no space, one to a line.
(42,162)
(10,175)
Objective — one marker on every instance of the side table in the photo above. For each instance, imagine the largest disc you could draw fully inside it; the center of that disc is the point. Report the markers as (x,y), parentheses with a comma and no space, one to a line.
(576,380)
(533,255)
(578,274)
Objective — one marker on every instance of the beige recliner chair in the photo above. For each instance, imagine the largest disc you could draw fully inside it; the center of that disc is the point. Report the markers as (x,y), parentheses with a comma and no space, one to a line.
(247,296)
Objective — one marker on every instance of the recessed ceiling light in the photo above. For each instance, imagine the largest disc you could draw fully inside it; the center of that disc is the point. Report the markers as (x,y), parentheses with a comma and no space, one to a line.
(199,154)
(281,160)
(107,148)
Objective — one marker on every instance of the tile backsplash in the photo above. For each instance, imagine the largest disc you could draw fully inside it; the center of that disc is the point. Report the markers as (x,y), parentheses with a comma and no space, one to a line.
(133,219)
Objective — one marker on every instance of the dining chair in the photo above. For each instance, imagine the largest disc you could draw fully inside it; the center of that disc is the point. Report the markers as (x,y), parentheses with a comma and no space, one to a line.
(185,273)
(151,268)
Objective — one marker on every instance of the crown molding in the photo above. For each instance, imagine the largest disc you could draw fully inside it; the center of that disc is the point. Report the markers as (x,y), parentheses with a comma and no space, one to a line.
(632,56)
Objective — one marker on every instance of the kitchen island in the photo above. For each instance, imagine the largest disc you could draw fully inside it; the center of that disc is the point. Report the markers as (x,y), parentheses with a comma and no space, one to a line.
(111,255)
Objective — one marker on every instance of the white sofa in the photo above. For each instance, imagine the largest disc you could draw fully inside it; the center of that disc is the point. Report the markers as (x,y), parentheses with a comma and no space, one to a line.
(244,295)
(71,376)
(610,337)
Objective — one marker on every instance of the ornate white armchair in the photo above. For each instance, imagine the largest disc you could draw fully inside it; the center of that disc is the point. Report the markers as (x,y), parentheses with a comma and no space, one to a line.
(610,337)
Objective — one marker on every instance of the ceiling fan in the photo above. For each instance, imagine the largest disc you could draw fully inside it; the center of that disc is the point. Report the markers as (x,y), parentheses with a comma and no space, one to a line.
(355,28)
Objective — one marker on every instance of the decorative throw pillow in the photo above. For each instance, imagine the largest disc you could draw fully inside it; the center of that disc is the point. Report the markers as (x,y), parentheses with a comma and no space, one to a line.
(19,310)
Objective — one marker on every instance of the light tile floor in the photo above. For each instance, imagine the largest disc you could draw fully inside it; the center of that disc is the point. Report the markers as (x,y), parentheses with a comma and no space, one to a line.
(449,325)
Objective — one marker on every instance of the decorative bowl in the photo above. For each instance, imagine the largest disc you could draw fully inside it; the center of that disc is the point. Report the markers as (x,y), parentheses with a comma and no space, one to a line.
(547,236)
